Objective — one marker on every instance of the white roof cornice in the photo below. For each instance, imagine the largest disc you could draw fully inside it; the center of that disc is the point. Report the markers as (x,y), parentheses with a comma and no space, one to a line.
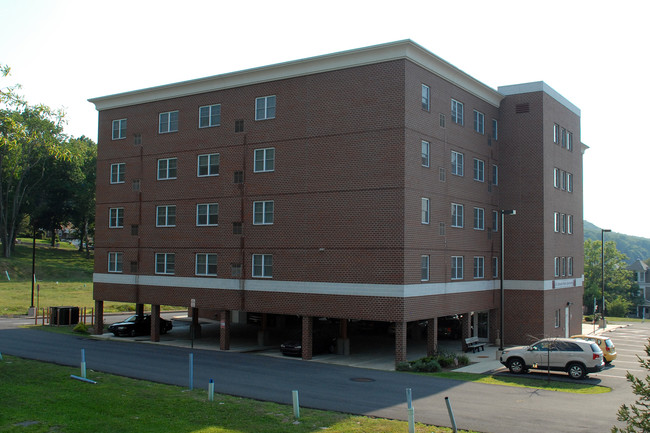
(405,49)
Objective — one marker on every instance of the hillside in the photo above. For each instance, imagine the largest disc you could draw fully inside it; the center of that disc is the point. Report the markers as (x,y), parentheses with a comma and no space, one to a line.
(634,247)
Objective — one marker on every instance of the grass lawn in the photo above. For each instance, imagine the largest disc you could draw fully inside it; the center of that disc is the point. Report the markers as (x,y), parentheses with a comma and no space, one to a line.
(41,397)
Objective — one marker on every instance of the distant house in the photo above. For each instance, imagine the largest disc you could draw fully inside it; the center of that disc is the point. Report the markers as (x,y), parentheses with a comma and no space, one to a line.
(642,277)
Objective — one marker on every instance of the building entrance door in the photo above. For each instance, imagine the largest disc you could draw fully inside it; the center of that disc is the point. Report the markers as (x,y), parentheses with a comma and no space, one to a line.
(483,325)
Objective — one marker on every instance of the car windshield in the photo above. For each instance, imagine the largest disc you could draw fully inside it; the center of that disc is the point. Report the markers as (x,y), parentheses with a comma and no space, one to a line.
(131,319)
(609,343)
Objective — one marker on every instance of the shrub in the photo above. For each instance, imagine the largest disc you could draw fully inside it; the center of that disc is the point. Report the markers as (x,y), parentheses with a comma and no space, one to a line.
(432,364)
(81,328)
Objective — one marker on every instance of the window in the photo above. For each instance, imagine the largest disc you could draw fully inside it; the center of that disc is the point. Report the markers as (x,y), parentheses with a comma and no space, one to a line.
(135,229)
(119,129)
(557,318)
(442,174)
(425,153)
(114,262)
(457,163)
(424,267)
(137,139)
(265,108)
(207,214)
(167,168)
(443,120)
(425,211)
(135,185)
(479,267)
(563,138)
(569,264)
(495,175)
(569,227)
(441,229)
(206,264)
(563,262)
(556,133)
(569,141)
(479,170)
(495,267)
(263,212)
(456,215)
(237,228)
(495,221)
(425,97)
(262,266)
(264,160)
(495,130)
(563,223)
(641,277)
(479,219)
(563,180)
(556,177)
(557,266)
(168,122)
(457,112)
(116,217)
(457,267)
(208,165)
(235,270)
(238,177)
(166,216)
(479,122)
(239,127)
(133,267)
(569,182)
(117,172)
(210,115)
(165,263)
(556,225)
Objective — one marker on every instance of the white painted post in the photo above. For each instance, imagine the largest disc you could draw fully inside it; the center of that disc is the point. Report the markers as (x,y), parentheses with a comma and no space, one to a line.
(211,390)
(296,404)
(191,371)
(411,411)
(83,363)
(451,415)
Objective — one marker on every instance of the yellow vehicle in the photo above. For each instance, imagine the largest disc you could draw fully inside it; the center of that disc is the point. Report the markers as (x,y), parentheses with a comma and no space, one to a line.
(605,344)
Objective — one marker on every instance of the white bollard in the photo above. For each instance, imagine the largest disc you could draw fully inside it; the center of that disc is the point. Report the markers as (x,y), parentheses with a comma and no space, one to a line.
(451,415)
(211,390)
(83,363)
(296,404)
(411,411)
(191,371)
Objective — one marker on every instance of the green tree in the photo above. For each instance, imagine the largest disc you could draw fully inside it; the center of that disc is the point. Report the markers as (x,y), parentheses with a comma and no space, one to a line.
(83,212)
(637,416)
(618,280)
(29,135)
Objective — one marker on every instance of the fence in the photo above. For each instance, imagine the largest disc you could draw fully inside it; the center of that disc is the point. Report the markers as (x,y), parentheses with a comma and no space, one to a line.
(58,316)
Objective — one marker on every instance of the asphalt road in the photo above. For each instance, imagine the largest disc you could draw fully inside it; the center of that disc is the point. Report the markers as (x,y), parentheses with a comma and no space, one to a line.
(484,408)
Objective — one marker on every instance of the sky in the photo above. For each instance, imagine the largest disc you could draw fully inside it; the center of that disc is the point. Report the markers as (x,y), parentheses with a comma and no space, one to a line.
(594,53)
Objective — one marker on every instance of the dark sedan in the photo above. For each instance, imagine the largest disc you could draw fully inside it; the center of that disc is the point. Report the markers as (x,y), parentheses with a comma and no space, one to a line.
(138,325)
(322,343)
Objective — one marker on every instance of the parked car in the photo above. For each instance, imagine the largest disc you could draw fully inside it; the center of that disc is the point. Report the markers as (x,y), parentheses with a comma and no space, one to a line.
(575,356)
(323,342)
(138,325)
(605,344)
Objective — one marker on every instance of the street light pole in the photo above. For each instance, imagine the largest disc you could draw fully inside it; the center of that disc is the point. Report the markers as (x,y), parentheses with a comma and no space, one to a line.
(602,274)
(502,318)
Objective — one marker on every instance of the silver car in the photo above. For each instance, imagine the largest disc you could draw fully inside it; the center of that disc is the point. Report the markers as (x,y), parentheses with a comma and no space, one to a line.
(576,357)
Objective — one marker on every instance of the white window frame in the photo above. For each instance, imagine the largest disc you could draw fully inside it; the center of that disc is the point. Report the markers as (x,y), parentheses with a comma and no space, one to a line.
(168,214)
(457,112)
(569,226)
(557,318)
(479,122)
(457,163)
(265,107)
(168,122)
(556,222)
(426,208)
(207,162)
(479,218)
(262,266)
(119,129)
(168,263)
(556,177)
(211,113)
(115,262)
(556,133)
(266,162)
(457,267)
(261,213)
(569,143)
(495,220)
(495,129)
(167,172)
(118,171)
(569,264)
(569,182)
(207,211)
(479,267)
(426,97)
(495,174)
(495,267)
(479,170)
(557,266)
(424,268)
(457,215)
(204,263)
(116,218)
(426,149)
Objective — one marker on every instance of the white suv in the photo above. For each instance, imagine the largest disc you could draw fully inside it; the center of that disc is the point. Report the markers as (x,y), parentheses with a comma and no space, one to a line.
(576,357)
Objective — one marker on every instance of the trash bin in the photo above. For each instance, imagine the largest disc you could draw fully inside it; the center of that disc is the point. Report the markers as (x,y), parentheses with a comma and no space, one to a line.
(64,315)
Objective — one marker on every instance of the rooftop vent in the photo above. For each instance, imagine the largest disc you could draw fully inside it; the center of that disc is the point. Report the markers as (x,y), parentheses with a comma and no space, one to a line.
(522,108)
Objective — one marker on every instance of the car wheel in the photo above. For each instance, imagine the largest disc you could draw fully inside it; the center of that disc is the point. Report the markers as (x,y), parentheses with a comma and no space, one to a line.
(576,371)
(516,366)
(132,333)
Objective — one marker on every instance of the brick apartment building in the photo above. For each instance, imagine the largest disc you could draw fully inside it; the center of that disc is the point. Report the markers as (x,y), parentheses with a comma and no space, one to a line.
(360,185)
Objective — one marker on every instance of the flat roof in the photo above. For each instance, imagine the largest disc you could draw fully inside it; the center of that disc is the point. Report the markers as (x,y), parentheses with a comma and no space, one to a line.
(404,49)
(538,86)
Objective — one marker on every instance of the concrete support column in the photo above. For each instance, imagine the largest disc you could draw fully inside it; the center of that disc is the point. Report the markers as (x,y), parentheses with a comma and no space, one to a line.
(343,342)
(139,309)
(465,328)
(224,330)
(195,326)
(99,317)
(263,333)
(155,322)
(307,337)
(494,327)
(432,336)
(400,342)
